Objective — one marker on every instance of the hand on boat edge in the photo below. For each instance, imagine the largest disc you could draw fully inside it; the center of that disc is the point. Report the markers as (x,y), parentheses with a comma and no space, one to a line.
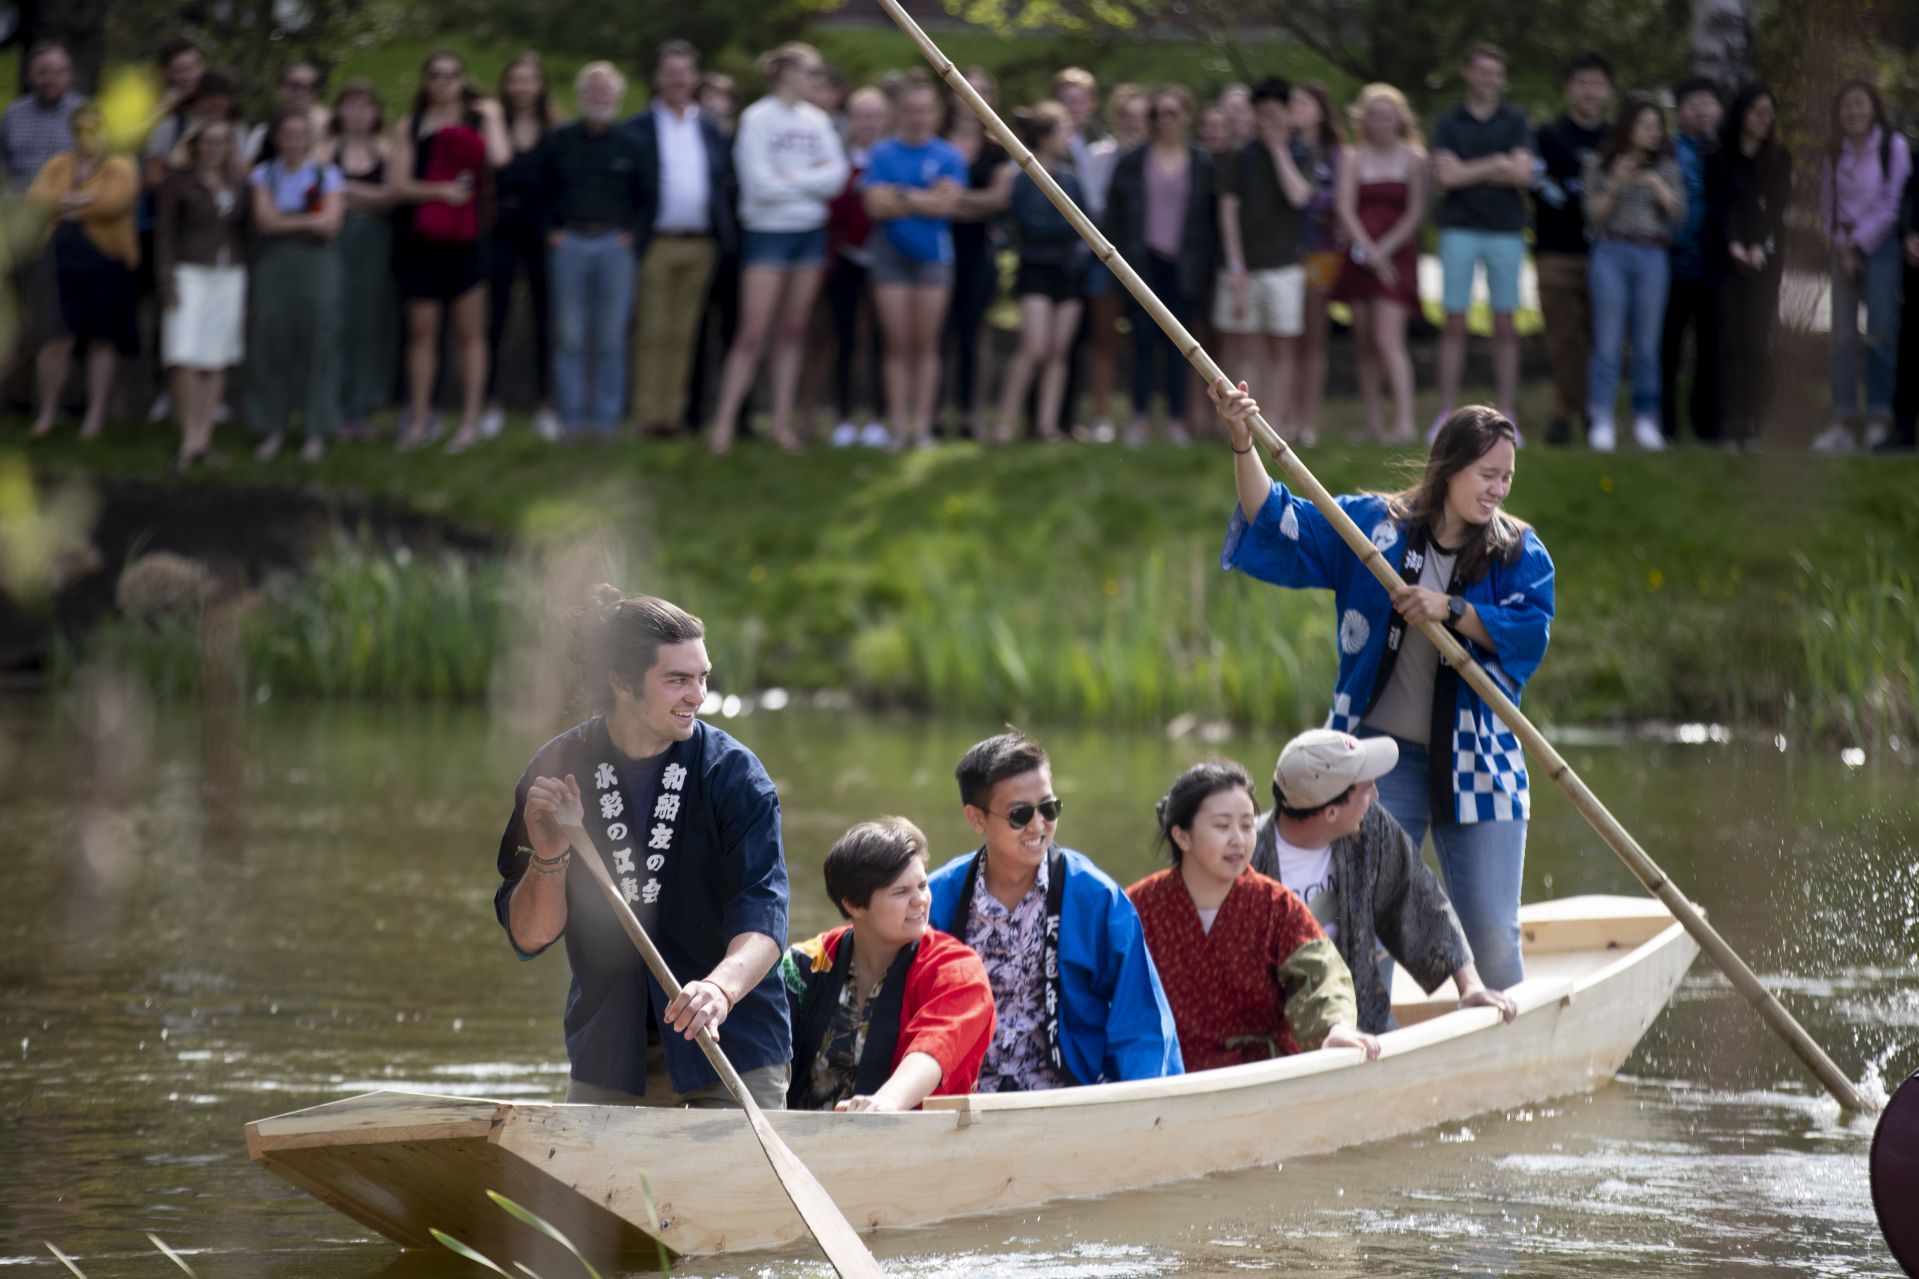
(1346,1035)
(1483,997)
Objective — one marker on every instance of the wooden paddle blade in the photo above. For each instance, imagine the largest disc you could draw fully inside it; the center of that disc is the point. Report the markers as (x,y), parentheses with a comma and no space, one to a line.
(837,1238)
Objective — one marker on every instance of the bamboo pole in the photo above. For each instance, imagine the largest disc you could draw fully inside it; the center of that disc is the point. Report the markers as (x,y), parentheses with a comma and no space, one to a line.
(1616,836)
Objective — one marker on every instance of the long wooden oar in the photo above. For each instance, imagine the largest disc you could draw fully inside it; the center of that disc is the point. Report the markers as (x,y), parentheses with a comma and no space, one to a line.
(837,1238)
(1615,835)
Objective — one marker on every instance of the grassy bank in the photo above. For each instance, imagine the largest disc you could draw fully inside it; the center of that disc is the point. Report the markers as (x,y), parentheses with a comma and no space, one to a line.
(1083,583)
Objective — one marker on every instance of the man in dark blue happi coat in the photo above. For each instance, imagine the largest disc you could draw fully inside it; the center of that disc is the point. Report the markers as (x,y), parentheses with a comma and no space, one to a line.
(687,823)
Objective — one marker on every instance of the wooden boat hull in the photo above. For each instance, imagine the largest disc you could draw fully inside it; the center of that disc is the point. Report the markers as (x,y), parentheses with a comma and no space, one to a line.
(1600,970)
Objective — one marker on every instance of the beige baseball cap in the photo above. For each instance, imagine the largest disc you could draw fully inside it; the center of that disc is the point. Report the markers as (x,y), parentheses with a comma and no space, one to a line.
(1318,766)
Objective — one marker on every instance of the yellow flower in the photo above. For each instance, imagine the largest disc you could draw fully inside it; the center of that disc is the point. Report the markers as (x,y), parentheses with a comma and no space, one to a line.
(1112,588)
(757,573)
(1655,579)
(1605,484)
(953,505)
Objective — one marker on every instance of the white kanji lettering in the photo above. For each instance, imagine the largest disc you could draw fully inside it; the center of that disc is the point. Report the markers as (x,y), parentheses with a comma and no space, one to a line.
(612,804)
(654,861)
(630,888)
(650,892)
(603,778)
(673,777)
(623,860)
(667,807)
(616,832)
(662,837)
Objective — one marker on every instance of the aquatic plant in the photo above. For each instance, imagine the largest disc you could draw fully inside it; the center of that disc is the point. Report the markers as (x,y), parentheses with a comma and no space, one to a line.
(1861,644)
(530,1218)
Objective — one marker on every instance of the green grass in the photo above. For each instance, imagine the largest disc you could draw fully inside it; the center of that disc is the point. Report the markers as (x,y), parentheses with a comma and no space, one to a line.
(1082,582)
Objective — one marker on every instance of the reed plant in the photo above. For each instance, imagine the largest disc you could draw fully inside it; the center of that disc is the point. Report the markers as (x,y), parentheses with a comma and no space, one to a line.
(1861,644)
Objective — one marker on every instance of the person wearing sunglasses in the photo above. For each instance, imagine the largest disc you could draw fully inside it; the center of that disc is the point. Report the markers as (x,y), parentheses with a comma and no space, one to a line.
(1077,997)
(1250,973)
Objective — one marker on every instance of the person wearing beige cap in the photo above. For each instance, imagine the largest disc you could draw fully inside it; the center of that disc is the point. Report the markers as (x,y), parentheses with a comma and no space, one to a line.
(1331,842)
(1465,564)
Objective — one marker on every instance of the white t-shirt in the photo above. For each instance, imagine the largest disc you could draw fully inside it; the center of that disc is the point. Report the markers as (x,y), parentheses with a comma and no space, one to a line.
(1207,914)
(1309,873)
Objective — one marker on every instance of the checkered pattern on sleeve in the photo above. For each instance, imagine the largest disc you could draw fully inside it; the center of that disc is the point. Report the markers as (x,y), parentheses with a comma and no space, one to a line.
(1489,771)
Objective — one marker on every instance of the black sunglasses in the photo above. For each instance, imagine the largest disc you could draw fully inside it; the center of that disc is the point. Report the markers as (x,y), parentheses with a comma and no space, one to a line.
(1020,816)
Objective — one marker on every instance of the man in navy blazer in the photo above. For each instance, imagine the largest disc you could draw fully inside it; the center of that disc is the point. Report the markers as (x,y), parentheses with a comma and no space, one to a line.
(691,164)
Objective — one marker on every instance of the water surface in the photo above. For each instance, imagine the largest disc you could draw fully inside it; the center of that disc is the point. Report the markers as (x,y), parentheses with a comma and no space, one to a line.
(210,923)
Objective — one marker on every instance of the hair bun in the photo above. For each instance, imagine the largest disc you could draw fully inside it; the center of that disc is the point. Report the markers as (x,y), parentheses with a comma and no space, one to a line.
(604,598)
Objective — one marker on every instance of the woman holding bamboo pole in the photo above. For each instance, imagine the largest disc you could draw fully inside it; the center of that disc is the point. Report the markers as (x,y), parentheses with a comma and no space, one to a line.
(1466,564)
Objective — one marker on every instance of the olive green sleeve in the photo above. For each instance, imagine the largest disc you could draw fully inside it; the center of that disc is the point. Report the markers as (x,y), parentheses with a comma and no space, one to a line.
(1319,992)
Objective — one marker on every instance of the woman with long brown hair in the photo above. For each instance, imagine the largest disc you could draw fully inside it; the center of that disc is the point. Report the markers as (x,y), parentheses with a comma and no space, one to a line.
(516,243)
(444,153)
(1465,563)
(369,305)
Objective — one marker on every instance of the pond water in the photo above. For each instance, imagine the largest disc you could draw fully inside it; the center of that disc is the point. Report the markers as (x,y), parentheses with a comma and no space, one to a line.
(208,923)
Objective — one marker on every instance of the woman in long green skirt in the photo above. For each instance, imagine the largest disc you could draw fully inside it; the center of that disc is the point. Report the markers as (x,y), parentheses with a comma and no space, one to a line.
(369,302)
(293,325)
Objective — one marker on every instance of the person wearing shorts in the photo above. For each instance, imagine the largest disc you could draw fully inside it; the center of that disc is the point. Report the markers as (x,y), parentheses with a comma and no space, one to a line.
(1260,304)
(915,183)
(1482,160)
(1051,280)
(790,165)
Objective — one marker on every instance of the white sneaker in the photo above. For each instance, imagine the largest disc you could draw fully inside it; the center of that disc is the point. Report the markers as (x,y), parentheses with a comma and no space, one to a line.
(546,426)
(221,413)
(162,408)
(492,422)
(875,436)
(1102,432)
(1599,436)
(1647,435)
(1836,440)
(313,450)
(844,436)
(1878,431)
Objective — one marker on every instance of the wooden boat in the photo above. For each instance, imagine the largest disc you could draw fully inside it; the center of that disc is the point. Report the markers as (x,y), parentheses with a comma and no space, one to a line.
(1599,970)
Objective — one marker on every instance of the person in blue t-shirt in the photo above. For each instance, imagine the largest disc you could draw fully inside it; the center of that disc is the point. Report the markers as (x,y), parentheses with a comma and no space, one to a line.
(915,183)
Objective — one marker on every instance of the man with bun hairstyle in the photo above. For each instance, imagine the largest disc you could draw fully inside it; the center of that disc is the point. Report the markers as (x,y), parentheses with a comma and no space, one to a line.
(688,825)
(1341,852)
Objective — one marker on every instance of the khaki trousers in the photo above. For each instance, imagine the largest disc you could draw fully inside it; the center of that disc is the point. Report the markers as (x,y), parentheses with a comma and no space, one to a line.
(768,1085)
(668,309)
(1564,305)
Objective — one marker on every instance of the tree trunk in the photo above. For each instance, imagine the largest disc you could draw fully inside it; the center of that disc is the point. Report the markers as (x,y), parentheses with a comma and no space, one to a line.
(1722,41)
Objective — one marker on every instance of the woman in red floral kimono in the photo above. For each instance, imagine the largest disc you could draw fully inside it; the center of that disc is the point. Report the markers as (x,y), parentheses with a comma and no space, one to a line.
(1245,966)
(887,1011)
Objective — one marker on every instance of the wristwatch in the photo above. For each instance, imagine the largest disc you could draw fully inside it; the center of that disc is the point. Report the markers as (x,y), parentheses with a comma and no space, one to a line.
(1455,609)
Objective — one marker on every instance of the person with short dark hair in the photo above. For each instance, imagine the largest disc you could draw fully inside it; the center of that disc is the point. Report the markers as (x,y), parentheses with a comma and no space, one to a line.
(1247,969)
(1465,564)
(1259,303)
(38,125)
(1635,202)
(297,89)
(887,1011)
(1482,159)
(1331,842)
(688,824)
(1867,165)
(1560,248)
(1077,998)
(1748,186)
(1691,307)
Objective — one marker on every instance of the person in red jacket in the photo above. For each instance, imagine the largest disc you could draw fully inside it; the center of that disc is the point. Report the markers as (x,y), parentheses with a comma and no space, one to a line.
(887,1011)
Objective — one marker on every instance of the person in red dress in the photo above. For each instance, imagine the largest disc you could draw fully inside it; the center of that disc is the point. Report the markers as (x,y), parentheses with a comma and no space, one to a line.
(1246,967)
(1381,201)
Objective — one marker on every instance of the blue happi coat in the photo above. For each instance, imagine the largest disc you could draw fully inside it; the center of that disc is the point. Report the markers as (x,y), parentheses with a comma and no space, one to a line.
(1293,544)
(1114,1021)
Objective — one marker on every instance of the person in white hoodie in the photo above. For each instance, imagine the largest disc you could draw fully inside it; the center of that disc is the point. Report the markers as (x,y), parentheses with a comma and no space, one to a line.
(790,164)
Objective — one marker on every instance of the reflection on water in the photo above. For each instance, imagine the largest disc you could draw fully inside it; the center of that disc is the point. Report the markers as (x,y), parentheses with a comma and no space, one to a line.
(181,952)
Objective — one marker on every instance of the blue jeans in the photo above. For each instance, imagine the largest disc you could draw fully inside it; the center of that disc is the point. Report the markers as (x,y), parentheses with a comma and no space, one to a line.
(590,278)
(1481,864)
(1151,346)
(1627,284)
(1879,289)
